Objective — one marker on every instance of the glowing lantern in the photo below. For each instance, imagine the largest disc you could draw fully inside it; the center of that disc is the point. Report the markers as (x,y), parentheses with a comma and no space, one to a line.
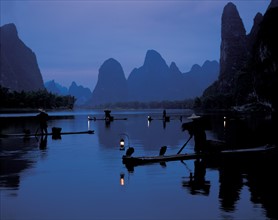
(122,144)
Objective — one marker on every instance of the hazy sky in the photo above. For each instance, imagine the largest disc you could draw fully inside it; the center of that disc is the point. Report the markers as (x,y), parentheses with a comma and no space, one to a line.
(72,38)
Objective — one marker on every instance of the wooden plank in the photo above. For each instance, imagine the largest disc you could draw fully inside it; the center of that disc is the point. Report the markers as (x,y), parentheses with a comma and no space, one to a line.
(103,119)
(156,159)
(39,134)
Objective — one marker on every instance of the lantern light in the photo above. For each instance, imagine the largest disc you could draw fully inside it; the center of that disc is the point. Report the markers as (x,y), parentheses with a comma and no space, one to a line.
(122,179)
(122,144)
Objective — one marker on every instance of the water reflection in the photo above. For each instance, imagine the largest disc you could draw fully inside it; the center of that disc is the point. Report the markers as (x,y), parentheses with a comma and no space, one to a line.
(89,125)
(230,186)
(43,142)
(257,173)
(226,180)
(241,131)
(149,120)
(152,137)
(197,184)
(262,182)
(13,160)
(122,179)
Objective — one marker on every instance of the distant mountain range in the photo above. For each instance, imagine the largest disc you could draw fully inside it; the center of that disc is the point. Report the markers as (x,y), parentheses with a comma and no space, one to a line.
(81,93)
(56,88)
(154,81)
(248,70)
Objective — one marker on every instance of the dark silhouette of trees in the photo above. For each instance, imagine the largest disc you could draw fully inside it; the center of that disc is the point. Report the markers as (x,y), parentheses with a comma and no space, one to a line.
(34,99)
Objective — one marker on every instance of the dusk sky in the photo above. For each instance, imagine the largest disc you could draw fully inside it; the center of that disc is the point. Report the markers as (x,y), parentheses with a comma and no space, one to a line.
(72,39)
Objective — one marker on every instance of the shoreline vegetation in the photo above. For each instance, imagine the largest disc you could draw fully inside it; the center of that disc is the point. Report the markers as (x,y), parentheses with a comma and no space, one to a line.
(32,100)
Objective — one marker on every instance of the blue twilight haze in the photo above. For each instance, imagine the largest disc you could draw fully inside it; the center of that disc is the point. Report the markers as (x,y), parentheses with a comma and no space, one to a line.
(72,39)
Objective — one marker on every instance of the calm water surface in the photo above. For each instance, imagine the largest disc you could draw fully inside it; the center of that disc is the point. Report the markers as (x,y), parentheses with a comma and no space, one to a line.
(82,176)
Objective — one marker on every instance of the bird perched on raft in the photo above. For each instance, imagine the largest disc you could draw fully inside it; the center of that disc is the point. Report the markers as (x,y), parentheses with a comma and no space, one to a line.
(129,151)
(162,150)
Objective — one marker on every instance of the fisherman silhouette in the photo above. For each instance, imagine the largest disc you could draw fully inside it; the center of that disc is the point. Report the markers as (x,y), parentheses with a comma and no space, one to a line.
(196,129)
(165,117)
(43,118)
(150,118)
(107,116)
(164,114)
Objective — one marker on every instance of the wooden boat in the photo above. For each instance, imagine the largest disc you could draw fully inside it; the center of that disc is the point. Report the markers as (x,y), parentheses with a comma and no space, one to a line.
(51,133)
(129,160)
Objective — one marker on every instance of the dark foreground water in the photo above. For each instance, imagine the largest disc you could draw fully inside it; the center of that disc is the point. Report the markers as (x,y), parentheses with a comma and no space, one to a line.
(82,176)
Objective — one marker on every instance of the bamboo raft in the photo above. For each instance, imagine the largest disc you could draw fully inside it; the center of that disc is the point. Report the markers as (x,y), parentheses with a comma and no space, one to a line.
(104,119)
(141,160)
(51,133)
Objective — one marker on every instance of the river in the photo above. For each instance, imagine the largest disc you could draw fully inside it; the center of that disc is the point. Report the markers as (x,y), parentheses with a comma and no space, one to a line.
(81,176)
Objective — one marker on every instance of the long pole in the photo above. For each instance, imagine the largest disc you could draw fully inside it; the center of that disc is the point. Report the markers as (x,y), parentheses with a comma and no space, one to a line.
(184,145)
(37,131)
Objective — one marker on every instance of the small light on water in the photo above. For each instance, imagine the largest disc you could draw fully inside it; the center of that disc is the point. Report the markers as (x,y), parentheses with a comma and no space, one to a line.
(122,180)
(89,125)
(149,120)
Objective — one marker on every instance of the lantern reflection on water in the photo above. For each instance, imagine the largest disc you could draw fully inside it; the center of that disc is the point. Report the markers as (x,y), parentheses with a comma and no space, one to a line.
(122,179)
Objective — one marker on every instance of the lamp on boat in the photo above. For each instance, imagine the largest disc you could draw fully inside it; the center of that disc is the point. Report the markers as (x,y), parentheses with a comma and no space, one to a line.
(122,144)
(122,141)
